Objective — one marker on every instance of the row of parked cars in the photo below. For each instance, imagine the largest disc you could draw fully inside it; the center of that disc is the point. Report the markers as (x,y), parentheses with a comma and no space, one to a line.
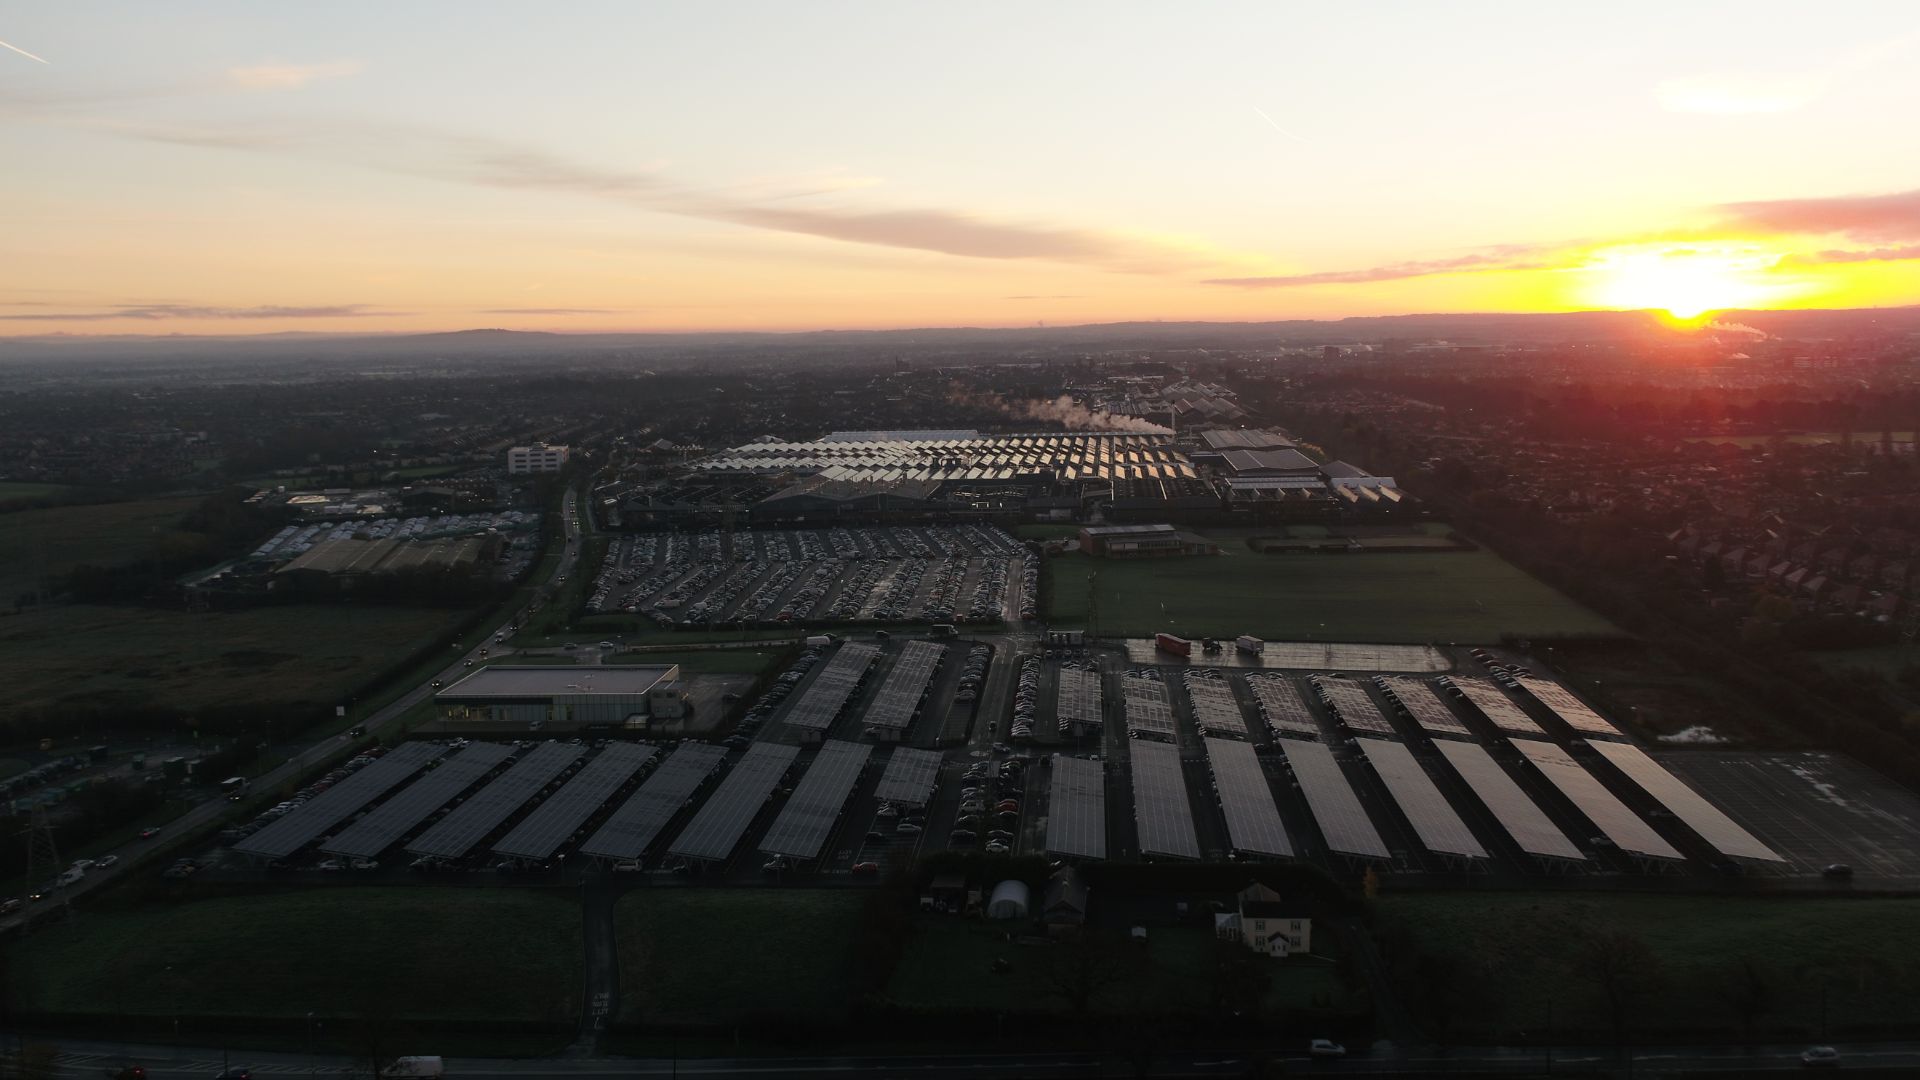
(300,798)
(769,701)
(987,810)
(973,673)
(1026,698)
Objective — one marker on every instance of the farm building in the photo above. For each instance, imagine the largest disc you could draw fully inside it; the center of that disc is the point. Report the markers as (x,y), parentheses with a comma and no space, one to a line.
(1143,541)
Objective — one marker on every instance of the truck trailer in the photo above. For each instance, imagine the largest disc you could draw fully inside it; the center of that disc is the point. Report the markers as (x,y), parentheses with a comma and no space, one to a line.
(1178,646)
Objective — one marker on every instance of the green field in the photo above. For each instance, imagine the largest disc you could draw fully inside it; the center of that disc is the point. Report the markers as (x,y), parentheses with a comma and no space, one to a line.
(1455,596)
(11,490)
(37,544)
(191,659)
(718,955)
(337,952)
(1503,957)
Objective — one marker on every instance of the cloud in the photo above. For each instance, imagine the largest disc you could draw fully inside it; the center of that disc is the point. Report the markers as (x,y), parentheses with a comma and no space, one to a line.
(1883,254)
(552,311)
(289,76)
(1492,260)
(1047,296)
(155,312)
(1736,95)
(1865,218)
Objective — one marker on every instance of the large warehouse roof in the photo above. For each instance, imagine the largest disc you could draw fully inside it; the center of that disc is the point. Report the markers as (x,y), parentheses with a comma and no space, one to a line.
(513,682)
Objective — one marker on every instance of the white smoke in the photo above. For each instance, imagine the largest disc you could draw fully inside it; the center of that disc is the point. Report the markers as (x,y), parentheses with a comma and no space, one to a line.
(1063,411)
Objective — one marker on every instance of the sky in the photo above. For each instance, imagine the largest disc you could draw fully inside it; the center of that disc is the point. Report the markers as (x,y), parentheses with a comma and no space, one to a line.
(188,168)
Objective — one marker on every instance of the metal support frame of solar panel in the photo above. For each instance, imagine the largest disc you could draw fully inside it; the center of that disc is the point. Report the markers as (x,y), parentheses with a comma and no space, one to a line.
(1162,816)
(1336,809)
(1531,829)
(1350,704)
(395,818)
(1253,821)
(1423,705)
(631,829)
(336,804)
(1215,709)
(1608,814)
(1714,826)
(542,832)
(827,694)
(716,829)
(1080,697)
(900,693)
(1147,707)
(1077,809)
(1281,705)
(910,776)
(1571,710)
(1434,819)
(455,835)
(1497,707)
(807,820)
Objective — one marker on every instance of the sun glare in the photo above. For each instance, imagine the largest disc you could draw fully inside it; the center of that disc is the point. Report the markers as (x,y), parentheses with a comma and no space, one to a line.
(1686,281)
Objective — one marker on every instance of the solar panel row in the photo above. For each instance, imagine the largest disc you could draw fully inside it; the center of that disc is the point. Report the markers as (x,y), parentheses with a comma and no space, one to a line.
(898,699)
(1281,705)
(1620,825)
(1715,827)
(1350,704)
(1162,816)
(827,694)
(1336,809)
(1253,822)
(1434,819)
(336,804)
(910,776)
(1422,705)
(457,833)
(1497,707)
(554,822)
(809,816)
(1571,710)
(716,830)
(631,829)
(1531,829)
(396,817)
(1148,710)
(1215,709)
(1080,698)
(1077,808)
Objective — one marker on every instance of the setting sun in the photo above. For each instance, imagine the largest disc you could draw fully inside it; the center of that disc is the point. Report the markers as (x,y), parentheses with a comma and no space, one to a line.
(1686,281)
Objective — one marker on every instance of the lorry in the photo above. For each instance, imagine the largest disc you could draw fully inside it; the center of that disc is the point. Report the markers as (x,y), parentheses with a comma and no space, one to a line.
(1247,643)
(1178,646)
(235,788)
(819,640)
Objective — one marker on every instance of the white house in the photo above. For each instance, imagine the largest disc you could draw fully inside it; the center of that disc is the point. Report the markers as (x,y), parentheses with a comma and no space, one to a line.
(1265,924)
(538,458)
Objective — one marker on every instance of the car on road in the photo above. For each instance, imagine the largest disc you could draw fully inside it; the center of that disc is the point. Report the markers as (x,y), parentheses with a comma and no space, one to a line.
(865,869)
(1820,1056)
(148,834)
(1326,1048)
(236,1072)
(107,862)
(1838,872)
(12,906)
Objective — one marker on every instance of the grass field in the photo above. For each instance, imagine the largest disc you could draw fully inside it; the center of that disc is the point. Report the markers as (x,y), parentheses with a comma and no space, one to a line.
(718,955)
(11,490)
(192,659)
(336,952)
(36,544)
(1455,596)
(1515,952)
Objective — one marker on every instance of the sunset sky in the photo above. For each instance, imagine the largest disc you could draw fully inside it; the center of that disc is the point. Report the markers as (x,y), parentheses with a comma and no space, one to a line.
(249,168)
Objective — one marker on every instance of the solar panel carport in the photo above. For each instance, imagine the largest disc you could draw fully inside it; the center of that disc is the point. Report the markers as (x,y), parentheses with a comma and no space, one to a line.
(716,830)
(1077,808)
(827,694)
(804,823)
(456,834)
(396,817)
(1253,822)
(553,822)
(910,777)
(1621,826)
(1714,826)
(1336,809)
(1571,710)
(1162,816)
(1423,705)
(1519,815)
(632,828)
(336,804)
(1494,705)
(1433,818)
(897,701)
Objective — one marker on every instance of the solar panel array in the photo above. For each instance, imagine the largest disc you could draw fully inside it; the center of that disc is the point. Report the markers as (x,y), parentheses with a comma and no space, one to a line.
(1433,818)
(1162,816)
(1336,809)
(1215,710)
(1281,705)
(1350,704)
(554,822)
(1422,705)
(1253,822)
(1609,814)
(1497,707)
(1561,702)
(1714,826)
(827,694)
(339,802)
(1148,709)
(716,830)
(898,698)
(396,817)
(631,829)
(910,777)
(805,822)
(456,834)
(1080,697)
(1531,829)
(1077,809)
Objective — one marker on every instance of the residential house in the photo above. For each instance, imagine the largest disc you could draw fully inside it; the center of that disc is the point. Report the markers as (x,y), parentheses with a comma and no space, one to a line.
(1265,923)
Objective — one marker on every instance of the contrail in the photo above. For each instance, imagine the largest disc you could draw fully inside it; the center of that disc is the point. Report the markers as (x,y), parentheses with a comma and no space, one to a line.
(1276,126)
(22,52)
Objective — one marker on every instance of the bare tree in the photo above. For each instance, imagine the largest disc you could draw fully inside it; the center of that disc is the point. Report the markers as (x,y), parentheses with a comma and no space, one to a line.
(1622,968)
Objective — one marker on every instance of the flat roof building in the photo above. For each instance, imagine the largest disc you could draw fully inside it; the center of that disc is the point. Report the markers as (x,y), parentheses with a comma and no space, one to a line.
(534,697)
(538,458)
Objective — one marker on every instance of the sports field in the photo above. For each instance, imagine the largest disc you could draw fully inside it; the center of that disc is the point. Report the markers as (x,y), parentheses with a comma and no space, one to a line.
(1454,596)
(335,952)
(186,660)
(37,544)
(1501,958)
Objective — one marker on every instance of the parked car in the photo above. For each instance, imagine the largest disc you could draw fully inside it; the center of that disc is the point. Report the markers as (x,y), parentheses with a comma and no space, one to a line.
(1819,1056)
(1326,1048)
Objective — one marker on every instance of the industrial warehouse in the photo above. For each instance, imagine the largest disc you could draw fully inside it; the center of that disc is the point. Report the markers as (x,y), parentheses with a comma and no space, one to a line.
(513,699)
